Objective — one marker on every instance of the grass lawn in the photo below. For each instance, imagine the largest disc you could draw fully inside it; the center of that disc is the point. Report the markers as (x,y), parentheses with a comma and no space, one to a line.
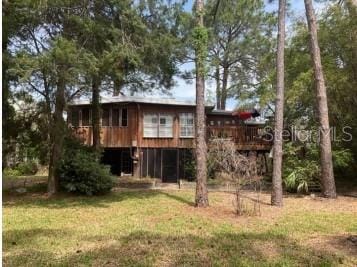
(162,228)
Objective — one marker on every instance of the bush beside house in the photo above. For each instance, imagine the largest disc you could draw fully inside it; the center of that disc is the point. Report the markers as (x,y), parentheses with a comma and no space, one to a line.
(80,171)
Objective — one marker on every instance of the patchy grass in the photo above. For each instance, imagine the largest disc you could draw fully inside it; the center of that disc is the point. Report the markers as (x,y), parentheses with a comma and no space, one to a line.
(162,228)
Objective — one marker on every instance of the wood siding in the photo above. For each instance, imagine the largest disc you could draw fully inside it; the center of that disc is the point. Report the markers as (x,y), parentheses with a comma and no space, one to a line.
(132,135)
(176,141)
(246,137)
(111,136)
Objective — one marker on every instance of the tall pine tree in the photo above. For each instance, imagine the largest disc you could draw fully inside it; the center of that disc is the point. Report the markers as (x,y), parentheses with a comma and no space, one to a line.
(200,43)
(277,190)
(327,176)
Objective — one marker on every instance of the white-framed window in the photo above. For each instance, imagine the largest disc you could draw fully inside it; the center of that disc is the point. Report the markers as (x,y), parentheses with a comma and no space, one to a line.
(165,125)
(158,125)
(150,125)
(187,125)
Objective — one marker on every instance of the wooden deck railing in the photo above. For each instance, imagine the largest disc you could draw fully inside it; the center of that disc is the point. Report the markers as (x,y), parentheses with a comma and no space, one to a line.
(245,137)
(241,135)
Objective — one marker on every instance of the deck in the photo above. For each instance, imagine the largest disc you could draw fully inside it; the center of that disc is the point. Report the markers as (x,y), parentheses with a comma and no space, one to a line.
(245,137)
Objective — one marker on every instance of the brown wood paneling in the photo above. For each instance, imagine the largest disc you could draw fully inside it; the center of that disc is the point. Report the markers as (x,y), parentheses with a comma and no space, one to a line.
(176,140)
(246,137)
(112,136)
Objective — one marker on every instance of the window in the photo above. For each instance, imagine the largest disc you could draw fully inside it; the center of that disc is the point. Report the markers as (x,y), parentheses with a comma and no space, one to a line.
(75,118)
(86,117)
(115,117)
(158,125)
(150,125)
(211,123)
(186,125)
(105,117)
(165,126)
(120,117)
(227,122)
(124,117)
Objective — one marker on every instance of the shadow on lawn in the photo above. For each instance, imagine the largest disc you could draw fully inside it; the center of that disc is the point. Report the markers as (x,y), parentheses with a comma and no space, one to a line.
(142,248)
(64,200)
(28,237)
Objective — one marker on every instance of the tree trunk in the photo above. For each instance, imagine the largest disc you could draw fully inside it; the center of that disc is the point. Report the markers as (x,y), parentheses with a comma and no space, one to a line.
(352,10)
(58,131)
(277,190)
(224,88)
(48,122)
(5,98)
(327,177)
(218,88)
(96,113)
(5,83)
(201,148)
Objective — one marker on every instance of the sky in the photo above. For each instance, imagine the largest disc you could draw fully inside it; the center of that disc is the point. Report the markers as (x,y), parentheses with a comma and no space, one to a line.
(187,91)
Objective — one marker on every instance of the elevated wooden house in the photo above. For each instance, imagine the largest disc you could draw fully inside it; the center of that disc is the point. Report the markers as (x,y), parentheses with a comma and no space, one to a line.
(147,137)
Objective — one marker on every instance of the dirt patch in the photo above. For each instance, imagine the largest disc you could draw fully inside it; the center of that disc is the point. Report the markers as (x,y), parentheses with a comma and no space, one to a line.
(268,249)
(337,245)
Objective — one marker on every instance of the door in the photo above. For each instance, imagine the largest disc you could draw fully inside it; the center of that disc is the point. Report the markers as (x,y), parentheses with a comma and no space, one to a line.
(126,162)
(169,165)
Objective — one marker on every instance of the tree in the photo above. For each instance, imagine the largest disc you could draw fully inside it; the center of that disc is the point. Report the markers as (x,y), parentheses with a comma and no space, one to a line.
(327,176)
(15,17)
(52,68)
(67,61)
(337,42)
(62,48)
(8,124)
(30,141)
(277,191)
(240,33)
(94,30)
(200,44)
(125,40)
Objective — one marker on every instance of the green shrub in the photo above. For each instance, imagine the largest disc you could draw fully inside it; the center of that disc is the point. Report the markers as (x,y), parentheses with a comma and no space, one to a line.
(80,171)
(302,165)
(342,158)
(27,168)
(23,168)
(302,177)
(11,172)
